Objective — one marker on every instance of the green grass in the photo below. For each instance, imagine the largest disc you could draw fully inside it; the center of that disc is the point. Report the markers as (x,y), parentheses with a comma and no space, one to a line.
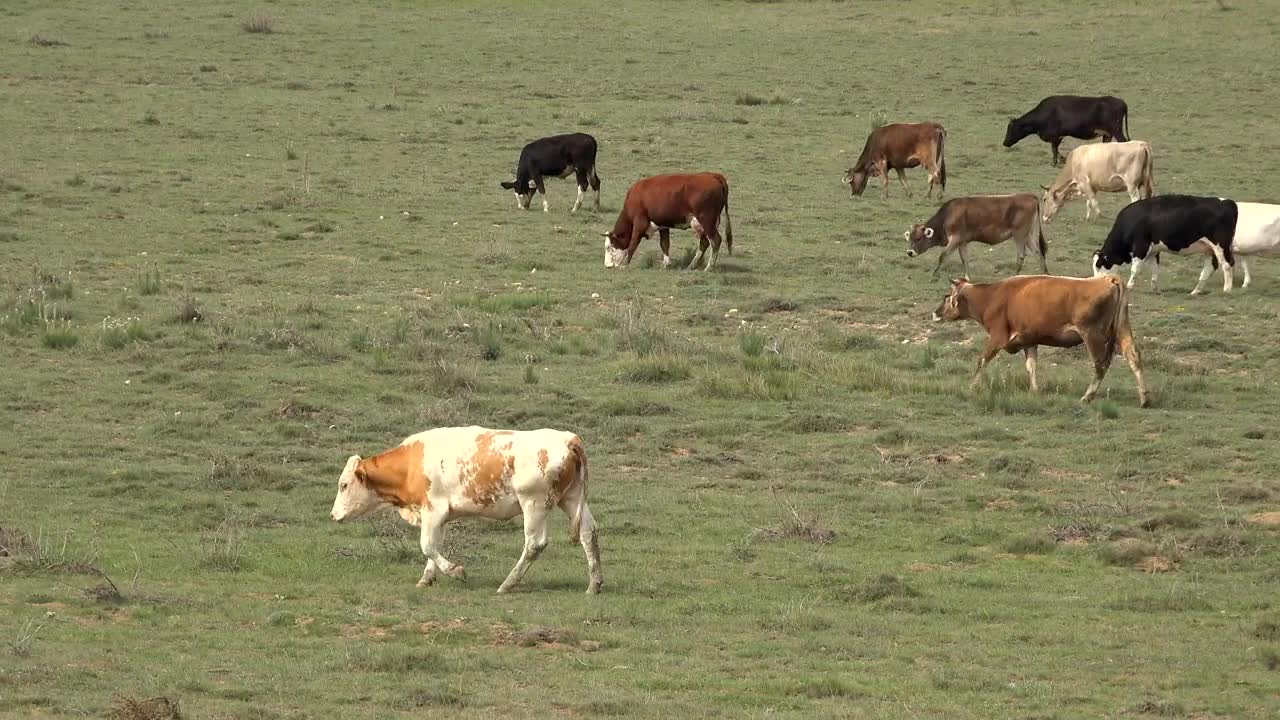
(805,511)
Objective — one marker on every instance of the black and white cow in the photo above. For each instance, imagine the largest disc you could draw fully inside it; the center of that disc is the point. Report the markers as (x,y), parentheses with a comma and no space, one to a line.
(1063,116)
(556,156)
(1180,224)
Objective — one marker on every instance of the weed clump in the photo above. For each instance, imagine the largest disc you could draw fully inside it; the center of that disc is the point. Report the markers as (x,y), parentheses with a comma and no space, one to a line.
(881,587)
(259,23)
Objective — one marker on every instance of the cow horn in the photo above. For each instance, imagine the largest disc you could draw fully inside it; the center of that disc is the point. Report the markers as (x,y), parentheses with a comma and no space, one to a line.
(846,179)
(1045,188)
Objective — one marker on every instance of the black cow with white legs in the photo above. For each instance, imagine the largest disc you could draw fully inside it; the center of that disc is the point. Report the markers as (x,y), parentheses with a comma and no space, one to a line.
(558,156)
(1179,224)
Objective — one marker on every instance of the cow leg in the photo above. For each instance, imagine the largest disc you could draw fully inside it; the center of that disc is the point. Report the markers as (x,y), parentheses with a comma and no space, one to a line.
(902,178)
(535,540)
(586,535)
(1244,263)
(964,261)
(432,536)
(595,186)
(664,242)
(1124,336)
(1205,271)
(1227,276)
(1022,256)
(994,343)
(1100,350)
(1133,273)
(1053,145)
(581,177)
(1030,352)
(1091,204)
(946,250)
(542,190)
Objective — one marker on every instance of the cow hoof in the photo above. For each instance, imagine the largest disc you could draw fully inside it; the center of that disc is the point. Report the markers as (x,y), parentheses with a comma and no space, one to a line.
(594,588)
(503,590)
(1197,292)
(457,571)
(426,581)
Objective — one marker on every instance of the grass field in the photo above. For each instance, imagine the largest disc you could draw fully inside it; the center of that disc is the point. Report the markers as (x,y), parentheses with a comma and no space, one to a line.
(230,259)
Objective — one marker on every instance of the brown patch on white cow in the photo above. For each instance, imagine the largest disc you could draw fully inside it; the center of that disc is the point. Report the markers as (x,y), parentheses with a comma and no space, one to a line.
(490,471)
(543,460)
(398,476)
(568,474)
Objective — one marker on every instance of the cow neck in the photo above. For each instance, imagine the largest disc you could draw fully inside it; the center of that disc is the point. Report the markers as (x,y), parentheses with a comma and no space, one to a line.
(387,474)
(977,298)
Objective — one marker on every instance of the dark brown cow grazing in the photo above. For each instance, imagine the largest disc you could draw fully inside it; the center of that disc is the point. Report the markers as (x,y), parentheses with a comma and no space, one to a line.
(1026,311)
(898,147)
(662,202)
(989,219)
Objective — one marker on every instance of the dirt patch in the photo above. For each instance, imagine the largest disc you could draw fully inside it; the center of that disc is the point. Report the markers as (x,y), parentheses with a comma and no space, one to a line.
(1000,503)
(431,627)
(543,638)
(919,567)
(892,457)
(682,452)
(1155,564)
(156,708)
(1266,518)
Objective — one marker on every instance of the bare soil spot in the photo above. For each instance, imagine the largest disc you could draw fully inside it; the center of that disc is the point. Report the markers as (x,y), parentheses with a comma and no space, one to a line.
(431,627)
(543,638)
(919,567)
(156,708)
(1155,564)
(1266,518)
(1000,503)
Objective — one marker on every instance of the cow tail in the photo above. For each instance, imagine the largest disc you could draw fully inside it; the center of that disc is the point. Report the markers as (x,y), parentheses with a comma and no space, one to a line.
(1120,321)
(728,224)
(1151,177)
(575,526)
(942,158)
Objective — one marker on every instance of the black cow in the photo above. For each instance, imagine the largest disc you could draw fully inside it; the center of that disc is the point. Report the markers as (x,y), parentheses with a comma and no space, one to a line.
(556,156)
(1180,224)
(1063,116)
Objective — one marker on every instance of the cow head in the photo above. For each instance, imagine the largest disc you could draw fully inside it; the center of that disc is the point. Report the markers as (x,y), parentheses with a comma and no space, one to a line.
(1105,263)
(523,193)
(1054,198)
(857,180)
(355,496)
(1014,132)
(920,238)
(614,256)
(953,306)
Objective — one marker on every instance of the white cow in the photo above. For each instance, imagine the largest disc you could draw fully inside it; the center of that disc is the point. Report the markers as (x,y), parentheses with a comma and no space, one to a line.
(440,475)
(1257,233)
(1101,167)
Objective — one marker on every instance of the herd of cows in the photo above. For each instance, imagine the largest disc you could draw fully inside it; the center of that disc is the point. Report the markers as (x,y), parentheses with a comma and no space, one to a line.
(440,475)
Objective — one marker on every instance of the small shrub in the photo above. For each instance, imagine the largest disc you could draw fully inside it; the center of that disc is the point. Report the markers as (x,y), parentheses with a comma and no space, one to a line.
(751,344)
(42,41)
(25,637)
(290,153)
(149,281)
(58,334)
(882,587)
(530,375)
(1270,659)
(187,311)
(1107,409)
(661,368)
(118,332)
(489,339)
(1222,543)
(795,525)
(1126,552)
(259,23)
(150,118)
(1175,519)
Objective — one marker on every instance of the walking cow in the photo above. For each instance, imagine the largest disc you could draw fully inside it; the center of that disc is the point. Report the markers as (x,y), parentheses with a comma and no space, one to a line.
(1062,116)
(1180,224)
(988,219)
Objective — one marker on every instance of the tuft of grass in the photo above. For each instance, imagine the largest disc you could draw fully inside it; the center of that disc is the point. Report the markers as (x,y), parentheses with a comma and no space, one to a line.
(489,340)
(823,687)
(259,23)
(434,697)
(663,367)
(149,281)
(119,332)
(22,641)
(877,119)
(753,100)
(881,587)
(187,311)
(1173,519)
(530,375)
(794,524)
(751,344)
(75,180)
(290,153)
(155,35)
(405,663)
(207,68)
(222,548)
(1268,630)
(150,118)
(57,334)
(1035,542)
(1126,552)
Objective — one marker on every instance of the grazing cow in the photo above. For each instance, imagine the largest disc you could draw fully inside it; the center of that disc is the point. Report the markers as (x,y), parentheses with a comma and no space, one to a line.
(556,156)
(662,202)
(1257,233)
(1101,167)
(440,475)
(989,219)
(1063,116)
(898,147)
(1180,224)
(1026,311)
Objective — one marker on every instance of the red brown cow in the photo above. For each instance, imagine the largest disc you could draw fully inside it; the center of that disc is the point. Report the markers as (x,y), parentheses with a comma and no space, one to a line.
(1026,311)
(897,147)
(662,202)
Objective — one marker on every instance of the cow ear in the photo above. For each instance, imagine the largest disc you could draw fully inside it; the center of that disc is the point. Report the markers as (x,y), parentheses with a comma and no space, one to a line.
(508,185)
(928,232)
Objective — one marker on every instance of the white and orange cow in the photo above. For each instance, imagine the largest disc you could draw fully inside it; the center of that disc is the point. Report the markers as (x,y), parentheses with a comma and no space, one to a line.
(440,475)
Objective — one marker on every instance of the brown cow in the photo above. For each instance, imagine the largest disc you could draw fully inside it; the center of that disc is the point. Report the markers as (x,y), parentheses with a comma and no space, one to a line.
(897,147)
(662,202)
(1026,311)
(989,219)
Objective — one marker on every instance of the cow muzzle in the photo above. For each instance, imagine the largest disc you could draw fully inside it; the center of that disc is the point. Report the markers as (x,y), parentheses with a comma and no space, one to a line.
(937,317)
(911,253)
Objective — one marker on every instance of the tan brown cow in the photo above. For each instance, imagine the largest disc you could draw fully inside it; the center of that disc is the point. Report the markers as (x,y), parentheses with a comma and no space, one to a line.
(1101,167)
(1026,311)
(662,202)
(988,219)
(440,475)
(897,147)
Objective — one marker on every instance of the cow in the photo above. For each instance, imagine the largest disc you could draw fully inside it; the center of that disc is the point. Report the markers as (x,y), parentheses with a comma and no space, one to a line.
(1257,233)
(1024,312)
(1063,116)
(897,147)
(662,202)
(437,476)
(556,156)
(1180,224)
(1105,167)
(988,219)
